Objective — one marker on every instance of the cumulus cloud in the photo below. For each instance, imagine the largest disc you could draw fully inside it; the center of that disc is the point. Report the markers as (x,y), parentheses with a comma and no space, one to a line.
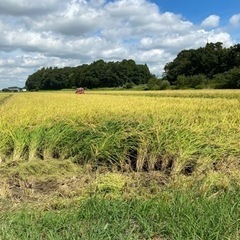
(211,21)
(73,32)
(27,7)
(235,20)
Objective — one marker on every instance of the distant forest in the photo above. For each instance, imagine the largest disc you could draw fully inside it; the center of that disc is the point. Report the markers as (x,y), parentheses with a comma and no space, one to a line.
(98,74)
(212,66)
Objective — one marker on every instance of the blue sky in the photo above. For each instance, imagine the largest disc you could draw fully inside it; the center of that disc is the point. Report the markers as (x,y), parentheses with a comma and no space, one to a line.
(196,11)
(46,33)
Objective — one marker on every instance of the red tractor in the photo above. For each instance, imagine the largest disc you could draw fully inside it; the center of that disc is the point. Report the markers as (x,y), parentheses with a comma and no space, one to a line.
(79,90)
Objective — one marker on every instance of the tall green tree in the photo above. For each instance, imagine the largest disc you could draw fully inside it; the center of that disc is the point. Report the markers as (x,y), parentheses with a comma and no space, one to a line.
(94,75)
(207,62)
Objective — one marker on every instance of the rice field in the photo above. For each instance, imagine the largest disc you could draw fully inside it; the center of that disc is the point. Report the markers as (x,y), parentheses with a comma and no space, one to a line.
(122,146)
(146,129)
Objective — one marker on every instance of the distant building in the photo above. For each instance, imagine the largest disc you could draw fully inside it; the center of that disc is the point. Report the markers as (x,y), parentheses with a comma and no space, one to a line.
(14,89)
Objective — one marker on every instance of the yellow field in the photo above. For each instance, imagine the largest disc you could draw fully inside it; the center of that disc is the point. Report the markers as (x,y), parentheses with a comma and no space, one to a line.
(34,108)
(177,132)
(127,164)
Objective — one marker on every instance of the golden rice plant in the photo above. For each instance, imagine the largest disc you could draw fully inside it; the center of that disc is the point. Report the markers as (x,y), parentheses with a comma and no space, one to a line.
(169,131)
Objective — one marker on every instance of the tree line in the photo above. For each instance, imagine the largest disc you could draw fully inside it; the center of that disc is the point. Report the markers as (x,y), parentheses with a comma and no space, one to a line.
(98,74)
(210,66)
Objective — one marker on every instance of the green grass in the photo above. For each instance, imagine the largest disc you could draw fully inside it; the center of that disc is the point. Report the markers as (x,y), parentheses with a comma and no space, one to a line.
(172,215)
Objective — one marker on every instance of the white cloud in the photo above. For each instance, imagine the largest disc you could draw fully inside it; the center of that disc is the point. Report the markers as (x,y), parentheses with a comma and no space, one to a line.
(73,32)
(235,20)
(97,3)
(211,21)
(27,7)
(220,37)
